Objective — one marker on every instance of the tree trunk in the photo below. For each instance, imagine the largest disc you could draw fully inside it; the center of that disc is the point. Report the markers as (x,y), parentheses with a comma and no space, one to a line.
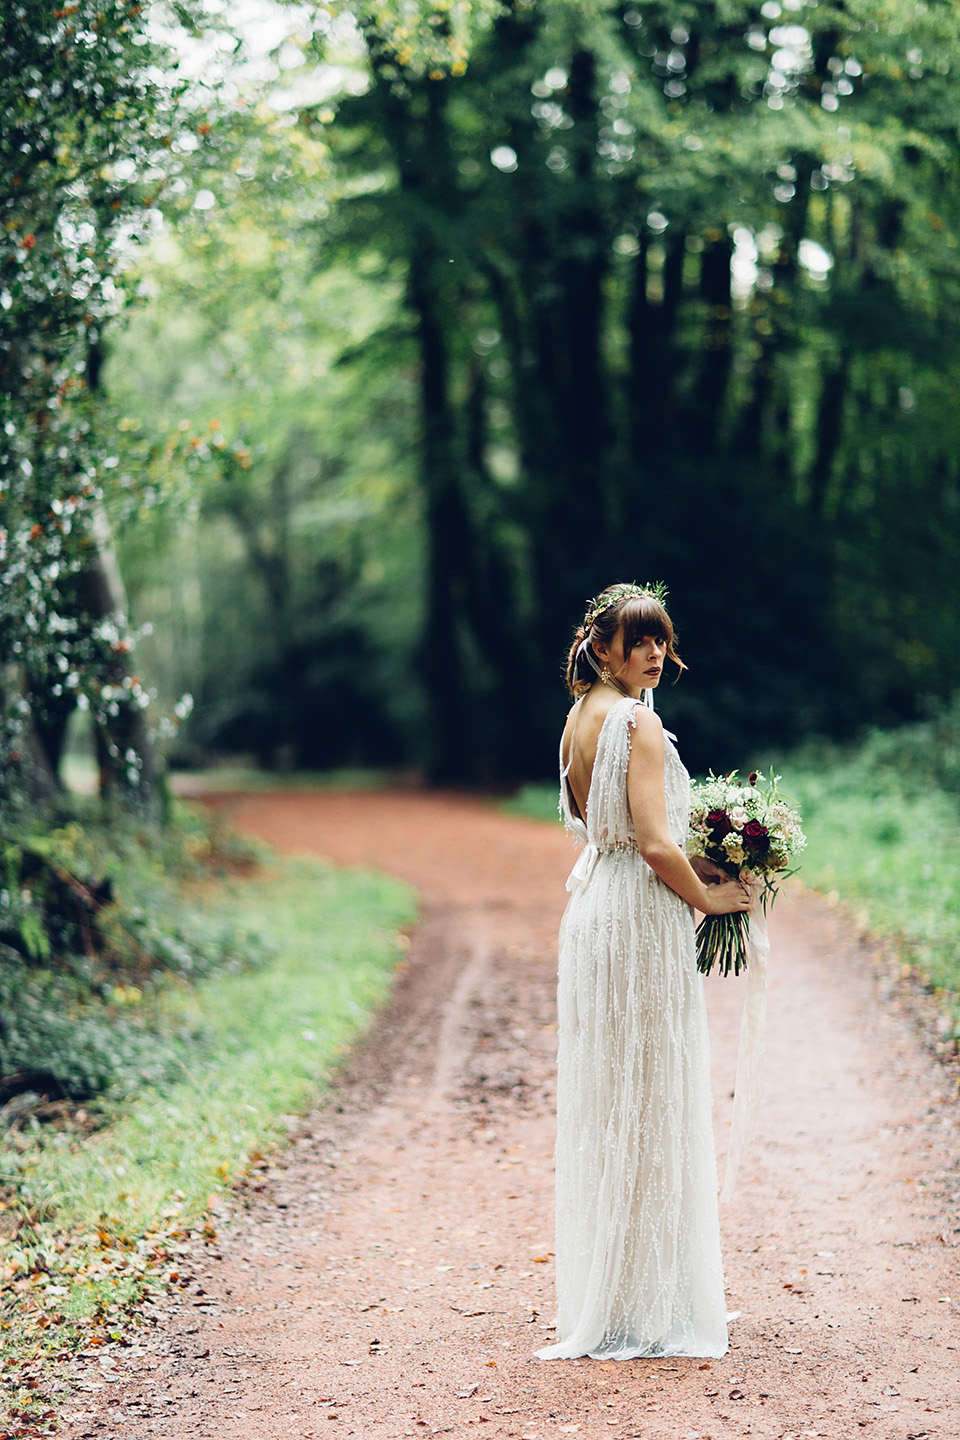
(447,540)
(30,781)
(130,765)
(652,356)
(833,395)
(717,358)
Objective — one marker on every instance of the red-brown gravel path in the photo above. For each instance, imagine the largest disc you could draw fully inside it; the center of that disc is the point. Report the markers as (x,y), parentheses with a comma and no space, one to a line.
(392,1276)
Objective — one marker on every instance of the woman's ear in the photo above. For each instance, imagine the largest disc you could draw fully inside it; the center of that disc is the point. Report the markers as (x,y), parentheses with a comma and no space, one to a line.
(601,649)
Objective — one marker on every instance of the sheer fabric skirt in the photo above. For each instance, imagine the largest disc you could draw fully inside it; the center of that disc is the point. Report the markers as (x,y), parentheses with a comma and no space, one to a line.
(637,1232)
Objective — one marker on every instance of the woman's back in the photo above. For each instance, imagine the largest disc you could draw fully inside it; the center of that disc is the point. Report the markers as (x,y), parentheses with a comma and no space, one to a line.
(638,1258)
(578,746)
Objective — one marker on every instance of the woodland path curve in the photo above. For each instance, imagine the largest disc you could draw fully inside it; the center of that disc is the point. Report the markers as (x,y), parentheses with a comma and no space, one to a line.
(390,1274)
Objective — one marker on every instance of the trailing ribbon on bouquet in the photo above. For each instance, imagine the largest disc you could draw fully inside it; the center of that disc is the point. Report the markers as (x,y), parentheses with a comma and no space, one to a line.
(748,1087)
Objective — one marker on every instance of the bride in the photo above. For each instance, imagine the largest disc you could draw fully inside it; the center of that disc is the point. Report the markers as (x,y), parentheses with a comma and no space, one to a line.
(638,1244)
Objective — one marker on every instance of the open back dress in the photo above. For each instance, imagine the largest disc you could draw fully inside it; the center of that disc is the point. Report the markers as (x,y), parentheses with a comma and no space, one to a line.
(637,1232)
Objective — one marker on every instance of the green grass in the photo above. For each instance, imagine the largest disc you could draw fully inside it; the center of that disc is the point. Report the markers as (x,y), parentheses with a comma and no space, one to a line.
(80,776)
(535,802)
(91,1220)
(894,855)
(237,777)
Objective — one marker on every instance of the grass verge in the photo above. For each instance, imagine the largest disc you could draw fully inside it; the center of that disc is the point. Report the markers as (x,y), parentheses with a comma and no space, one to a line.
(535,802)
(92,1221)
(894,857)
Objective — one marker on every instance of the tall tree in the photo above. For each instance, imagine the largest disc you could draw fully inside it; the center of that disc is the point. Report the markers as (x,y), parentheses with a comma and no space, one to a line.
(81,144)
(677,240)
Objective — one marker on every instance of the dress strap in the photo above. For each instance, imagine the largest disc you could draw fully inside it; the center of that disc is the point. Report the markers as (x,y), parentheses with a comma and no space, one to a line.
(648,701)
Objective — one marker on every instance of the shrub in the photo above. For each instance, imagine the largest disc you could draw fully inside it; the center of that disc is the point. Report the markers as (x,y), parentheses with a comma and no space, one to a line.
(95,915)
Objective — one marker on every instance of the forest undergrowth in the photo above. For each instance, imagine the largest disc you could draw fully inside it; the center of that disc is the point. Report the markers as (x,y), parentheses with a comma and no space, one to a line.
(139,1087)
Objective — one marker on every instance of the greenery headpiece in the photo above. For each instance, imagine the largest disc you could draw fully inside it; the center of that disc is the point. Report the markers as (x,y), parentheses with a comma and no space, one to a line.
(657,591)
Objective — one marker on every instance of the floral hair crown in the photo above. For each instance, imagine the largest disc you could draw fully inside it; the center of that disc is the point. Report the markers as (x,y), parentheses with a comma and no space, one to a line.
(657,591)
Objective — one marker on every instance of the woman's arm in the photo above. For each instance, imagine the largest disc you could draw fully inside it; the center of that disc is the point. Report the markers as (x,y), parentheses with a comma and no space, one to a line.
(648,809)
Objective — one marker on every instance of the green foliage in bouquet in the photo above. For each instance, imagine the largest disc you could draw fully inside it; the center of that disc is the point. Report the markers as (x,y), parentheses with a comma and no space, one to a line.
(749,830)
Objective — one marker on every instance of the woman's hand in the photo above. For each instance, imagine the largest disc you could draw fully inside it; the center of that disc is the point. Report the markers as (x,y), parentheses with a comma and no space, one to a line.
(728,897)
(707,871)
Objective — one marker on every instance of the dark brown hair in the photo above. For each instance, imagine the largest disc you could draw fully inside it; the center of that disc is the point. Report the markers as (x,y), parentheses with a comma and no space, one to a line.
(638,614)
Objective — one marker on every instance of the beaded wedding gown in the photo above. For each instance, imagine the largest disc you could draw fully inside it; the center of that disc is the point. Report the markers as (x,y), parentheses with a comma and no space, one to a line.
(638,1244)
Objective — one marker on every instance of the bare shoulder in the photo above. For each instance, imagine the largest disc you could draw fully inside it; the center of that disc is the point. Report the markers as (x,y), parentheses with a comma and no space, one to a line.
(646,723)
(647,740)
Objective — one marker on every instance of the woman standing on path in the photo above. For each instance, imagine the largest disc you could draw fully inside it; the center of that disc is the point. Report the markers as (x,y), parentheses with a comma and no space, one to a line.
(638,1241)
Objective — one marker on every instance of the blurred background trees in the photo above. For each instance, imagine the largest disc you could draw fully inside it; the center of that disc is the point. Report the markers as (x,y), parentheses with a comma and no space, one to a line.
(82,124)
(459,312)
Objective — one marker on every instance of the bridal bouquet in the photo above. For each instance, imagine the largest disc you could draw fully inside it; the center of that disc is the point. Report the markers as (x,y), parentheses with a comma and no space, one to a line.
(749,831)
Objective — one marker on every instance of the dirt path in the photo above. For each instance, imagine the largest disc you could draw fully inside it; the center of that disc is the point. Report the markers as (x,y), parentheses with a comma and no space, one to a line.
(392,1275)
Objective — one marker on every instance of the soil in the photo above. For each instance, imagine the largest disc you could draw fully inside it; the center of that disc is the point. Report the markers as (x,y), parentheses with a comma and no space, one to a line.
(389,1274)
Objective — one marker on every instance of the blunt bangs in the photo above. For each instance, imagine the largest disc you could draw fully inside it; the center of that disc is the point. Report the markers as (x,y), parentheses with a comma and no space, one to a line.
(643,615)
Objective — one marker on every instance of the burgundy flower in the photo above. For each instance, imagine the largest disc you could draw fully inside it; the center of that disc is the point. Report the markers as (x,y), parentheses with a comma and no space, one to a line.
(752,777)
(755,835)
(720,824)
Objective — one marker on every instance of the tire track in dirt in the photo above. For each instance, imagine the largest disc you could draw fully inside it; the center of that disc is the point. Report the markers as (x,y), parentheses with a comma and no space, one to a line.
(389,1274)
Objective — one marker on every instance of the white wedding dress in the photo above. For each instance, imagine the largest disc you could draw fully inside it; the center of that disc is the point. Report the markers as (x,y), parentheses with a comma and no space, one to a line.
(638,1243)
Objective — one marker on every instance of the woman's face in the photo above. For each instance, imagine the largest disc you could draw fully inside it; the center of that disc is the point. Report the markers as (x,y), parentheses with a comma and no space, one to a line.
(642,668)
